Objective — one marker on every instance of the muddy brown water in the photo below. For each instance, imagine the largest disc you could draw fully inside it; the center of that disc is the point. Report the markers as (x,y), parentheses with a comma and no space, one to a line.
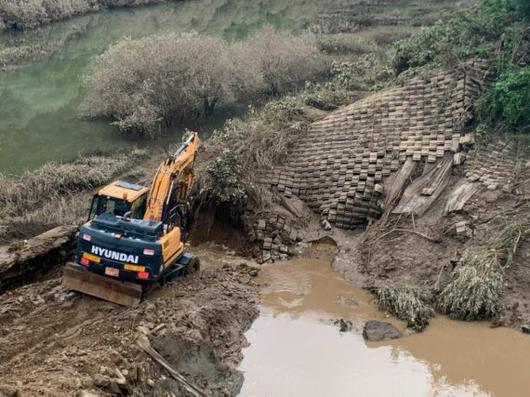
(297,350)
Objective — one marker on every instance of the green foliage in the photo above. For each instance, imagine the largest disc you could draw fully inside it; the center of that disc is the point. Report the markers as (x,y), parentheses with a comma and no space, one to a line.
(476,291)
(494,29)
(507,101)
(282,112)
(224,175)
(465,34)
(406,304)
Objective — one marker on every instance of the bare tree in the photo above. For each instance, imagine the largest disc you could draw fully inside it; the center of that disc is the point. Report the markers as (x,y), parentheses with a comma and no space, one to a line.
(274,63)
(145,84)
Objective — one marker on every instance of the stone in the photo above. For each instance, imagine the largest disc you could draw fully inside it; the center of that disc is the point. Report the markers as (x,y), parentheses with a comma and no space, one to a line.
(326,225)
(459,158)
(507,188)
(525,329)
(8,391)
(101,381)
(375,331)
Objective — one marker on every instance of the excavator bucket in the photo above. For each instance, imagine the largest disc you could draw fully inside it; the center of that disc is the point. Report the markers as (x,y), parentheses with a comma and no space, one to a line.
(124,293)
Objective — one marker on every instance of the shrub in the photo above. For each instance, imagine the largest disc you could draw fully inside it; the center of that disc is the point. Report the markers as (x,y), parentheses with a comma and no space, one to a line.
(147,84)
(27,14)
(274,63)
(467,33)
(143,84)
(224,175)
(507,101)
(476,291)
(406,304)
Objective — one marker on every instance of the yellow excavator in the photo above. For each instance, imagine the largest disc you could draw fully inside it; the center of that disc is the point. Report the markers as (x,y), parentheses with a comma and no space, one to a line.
(135,236)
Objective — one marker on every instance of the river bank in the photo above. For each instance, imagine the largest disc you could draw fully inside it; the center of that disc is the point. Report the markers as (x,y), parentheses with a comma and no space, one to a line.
(303,300)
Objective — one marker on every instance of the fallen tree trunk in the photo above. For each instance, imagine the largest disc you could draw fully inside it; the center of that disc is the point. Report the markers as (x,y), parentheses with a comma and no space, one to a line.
(23,262)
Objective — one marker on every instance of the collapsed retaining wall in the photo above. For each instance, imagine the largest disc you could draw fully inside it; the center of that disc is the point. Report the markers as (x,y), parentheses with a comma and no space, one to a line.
(345,168)
(340,165)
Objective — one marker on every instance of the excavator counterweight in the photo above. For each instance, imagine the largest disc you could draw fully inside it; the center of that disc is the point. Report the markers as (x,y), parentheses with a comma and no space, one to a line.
(135,235)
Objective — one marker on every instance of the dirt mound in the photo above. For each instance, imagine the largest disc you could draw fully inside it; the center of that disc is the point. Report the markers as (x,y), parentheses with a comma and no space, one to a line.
(56,342)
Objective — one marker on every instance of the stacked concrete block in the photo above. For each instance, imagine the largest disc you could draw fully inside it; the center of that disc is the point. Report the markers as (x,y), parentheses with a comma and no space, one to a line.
(274,235)
(339,165)
(494,165)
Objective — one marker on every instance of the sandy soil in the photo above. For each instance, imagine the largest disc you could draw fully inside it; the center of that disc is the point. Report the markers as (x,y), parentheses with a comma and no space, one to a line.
(56,342)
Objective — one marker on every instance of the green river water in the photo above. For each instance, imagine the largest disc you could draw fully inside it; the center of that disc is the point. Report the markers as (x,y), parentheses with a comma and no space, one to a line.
(38,102)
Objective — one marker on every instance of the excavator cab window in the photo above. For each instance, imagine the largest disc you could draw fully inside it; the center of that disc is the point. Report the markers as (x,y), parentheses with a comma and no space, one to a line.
(138,207)
(109,205)
(118,207)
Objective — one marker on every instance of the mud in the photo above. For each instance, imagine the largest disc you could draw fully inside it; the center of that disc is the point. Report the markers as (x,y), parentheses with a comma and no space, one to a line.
(55,342)
(296,347)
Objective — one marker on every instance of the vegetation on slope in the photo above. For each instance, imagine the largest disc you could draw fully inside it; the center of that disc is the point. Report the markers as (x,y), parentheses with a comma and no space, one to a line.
(476,291)
(496,30)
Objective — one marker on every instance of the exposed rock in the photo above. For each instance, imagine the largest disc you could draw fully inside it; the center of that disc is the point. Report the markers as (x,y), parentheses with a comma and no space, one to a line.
(379,330)
(525,328)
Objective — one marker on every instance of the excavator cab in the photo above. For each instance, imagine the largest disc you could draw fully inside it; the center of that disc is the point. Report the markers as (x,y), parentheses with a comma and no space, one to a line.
(120,199)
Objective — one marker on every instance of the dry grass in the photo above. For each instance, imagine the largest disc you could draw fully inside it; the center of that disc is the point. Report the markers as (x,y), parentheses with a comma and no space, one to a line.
(55,194)
(507,240)
(476,291)
(406,304)
(371,40)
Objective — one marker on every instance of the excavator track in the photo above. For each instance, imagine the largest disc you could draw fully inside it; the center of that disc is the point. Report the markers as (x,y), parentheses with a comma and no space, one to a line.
(123,293)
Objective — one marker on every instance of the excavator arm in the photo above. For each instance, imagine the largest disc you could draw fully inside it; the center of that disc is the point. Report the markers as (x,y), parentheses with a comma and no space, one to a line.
(172,180)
